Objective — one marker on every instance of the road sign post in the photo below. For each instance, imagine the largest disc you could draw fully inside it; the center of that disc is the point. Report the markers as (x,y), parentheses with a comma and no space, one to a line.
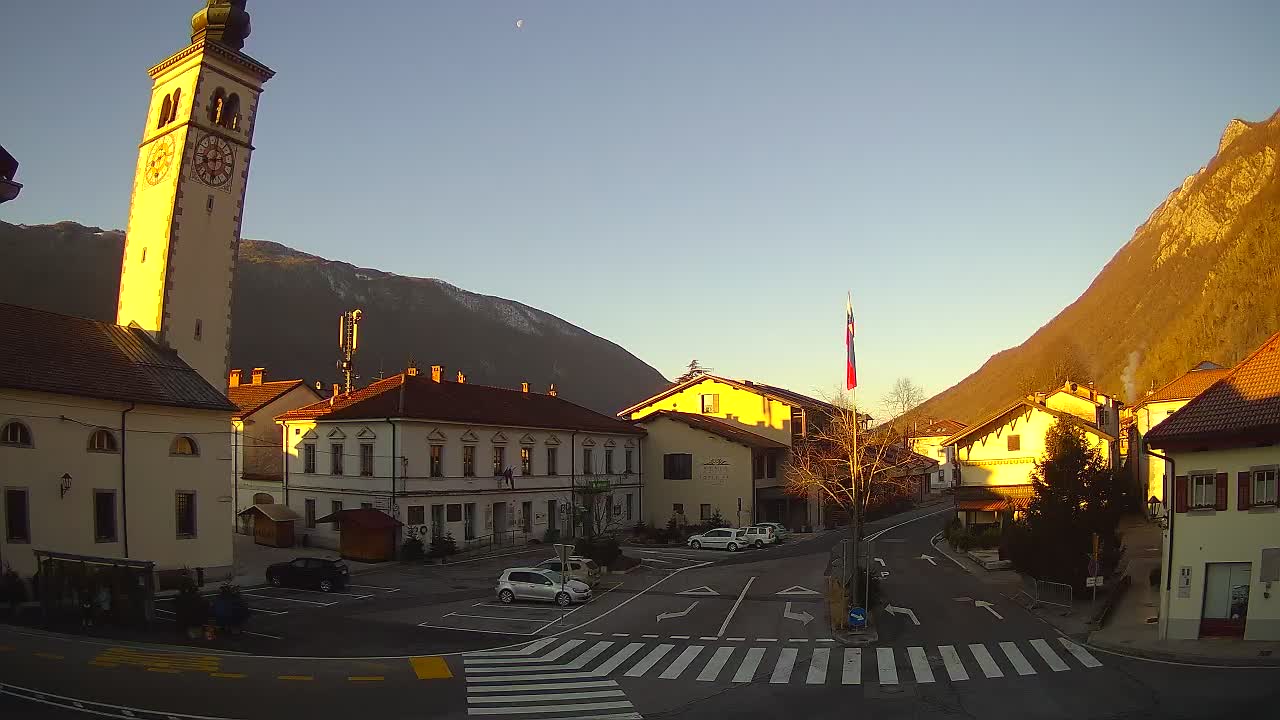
(857,618)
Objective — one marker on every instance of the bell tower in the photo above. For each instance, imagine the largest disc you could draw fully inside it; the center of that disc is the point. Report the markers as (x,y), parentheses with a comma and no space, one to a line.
(185,212)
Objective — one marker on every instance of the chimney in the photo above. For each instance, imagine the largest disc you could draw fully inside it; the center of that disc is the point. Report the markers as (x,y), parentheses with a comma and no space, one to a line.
(337,390)
(462,379)
(524,388)
(436,371)
(552,390)
(234,380)
(258,375)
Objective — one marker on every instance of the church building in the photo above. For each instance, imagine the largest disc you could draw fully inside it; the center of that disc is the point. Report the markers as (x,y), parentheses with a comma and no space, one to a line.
(115,437)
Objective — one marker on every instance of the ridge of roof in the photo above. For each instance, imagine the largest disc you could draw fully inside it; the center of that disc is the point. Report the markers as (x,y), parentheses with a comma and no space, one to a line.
(251,398)
(790,397)
(716,426)
(1077,421)
(1186,386)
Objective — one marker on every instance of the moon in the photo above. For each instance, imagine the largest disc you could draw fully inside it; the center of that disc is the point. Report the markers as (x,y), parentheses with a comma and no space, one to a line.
(520,23)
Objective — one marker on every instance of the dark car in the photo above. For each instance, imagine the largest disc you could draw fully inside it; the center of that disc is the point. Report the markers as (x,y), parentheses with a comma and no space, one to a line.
(324,575)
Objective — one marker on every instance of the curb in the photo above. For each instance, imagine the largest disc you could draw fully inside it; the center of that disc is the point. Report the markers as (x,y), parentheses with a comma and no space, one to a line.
(1179,658)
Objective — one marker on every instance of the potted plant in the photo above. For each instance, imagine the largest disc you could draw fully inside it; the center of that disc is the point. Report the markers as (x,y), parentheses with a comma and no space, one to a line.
(191,610)
(230,610)
(12,590)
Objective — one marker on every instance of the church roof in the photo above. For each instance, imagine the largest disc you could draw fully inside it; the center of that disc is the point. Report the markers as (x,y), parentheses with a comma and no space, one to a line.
(48,352)
(252,397)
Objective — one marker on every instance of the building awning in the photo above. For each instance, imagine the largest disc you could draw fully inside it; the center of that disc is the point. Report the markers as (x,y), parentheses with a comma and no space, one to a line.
(272,511)
(365,518)
(994,498)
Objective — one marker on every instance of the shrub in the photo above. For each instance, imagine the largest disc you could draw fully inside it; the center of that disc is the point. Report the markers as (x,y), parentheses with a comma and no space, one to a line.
(12,589)
(550,536)
(190,609)
(443,546)
(604,550)
(412,550)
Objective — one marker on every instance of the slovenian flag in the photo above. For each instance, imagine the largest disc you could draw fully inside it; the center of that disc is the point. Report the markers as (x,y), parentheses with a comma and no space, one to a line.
(851,367)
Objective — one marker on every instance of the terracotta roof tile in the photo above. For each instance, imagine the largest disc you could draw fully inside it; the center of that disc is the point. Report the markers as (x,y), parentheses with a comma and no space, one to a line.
(729,432)
(781,394)
(252,398)
(994,497)
(48,352)
(1186,386)
(1244,403)
(419,397)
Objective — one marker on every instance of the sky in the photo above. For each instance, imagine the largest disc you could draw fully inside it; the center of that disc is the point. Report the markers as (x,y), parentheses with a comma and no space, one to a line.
(687,179)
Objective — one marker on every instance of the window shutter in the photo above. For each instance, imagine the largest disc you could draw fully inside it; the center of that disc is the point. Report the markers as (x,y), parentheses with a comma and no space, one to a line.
(1220,485)
(1180,494)
(1242,499)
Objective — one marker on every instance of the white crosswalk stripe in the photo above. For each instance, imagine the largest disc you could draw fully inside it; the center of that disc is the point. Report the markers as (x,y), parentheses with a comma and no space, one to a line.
(574,673)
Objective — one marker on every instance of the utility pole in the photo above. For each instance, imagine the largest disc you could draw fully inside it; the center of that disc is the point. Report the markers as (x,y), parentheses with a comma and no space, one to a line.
(348,341)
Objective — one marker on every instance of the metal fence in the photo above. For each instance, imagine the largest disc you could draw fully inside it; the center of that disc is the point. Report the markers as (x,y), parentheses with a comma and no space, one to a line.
(1043,592)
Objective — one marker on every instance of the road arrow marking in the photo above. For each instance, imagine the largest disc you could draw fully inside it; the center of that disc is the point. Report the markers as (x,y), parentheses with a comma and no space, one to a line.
(704,590)
(802,616)
(686,611)
(881,561)
(797,590)
(987,605)
(929,558)
(963,599)
(902,611)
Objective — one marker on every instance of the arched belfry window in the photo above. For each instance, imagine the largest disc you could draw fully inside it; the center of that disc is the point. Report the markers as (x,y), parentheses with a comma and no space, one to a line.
(224,110)
(165,108)
(177,98)
(233,112)
(218,106)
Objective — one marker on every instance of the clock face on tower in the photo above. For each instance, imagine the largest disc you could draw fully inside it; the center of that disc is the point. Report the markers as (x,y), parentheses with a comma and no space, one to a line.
(214,160)
(159,160)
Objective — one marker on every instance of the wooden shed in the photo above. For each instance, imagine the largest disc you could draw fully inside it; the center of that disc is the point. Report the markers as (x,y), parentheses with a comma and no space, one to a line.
(365,534)
(272,523)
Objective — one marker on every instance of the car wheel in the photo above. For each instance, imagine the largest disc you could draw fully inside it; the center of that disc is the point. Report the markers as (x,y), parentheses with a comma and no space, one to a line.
(506,596)
(759,544)
(563,599)
(274,580)
(731,547)
(695,545)
(326,586)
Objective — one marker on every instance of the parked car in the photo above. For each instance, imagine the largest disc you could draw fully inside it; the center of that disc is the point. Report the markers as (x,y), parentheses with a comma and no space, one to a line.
(536,583)
(727,538)
(779,530)
(579,568)
(323,574)
(760,535)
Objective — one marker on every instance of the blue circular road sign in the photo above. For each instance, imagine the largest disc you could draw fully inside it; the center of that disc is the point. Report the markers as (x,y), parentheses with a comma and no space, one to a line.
(857,617)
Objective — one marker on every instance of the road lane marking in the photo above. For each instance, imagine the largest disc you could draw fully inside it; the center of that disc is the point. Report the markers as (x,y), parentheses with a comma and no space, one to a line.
(49,656)
(679,637)
(886,666)
(782,668)
(851,673)
(818,667)
(620,635)
(228,676)
(618,658)
(366,678)
(827,640)
(798,640)
(653,637)
(544,697)
(578,707)
(430,667)
(766,639)
(295,677)
(951,659)
(660,562)
(313,592)
(741,639)
(1047,654)
(528,649)
(878,533)
(646,664)
(545,686)
(99,663)
(747,670)
(473,680)
(427,624)
(920,664)
(597,634)
(592,652)
(709,637)
(171,671)
(293,600)
(503,619)
(985,661)
(681,663)
(550,657)
(717,662)
(1080,653)
(653,585)
(1017,659)
(376,587)
(725,625)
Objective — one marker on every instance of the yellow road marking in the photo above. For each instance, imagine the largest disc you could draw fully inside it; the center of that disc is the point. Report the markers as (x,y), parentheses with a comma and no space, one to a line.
(430,667)
(227,675)
(5,648)
(99,663)
(171,671)
(294,677)
(49,656)
(179,661)
(365,678)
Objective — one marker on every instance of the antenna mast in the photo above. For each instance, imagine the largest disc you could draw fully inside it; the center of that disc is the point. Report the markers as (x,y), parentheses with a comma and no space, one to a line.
(348,341)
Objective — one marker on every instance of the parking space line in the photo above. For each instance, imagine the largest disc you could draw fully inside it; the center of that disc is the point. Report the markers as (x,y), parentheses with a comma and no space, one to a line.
(313,592)
(526,608)
(725,625)
(228,676)
(375,587)
(294,677)
(493,617)
(475,630)
(285,599)
(366,678)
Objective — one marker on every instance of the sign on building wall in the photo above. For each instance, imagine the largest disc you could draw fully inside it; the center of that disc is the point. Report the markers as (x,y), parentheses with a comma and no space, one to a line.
(1184,582)
(714,471)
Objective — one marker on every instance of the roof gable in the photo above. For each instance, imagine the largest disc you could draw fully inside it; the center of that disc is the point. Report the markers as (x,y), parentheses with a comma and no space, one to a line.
(970,435)
(251,398)
(1187,385)
(729,432)
(782,395)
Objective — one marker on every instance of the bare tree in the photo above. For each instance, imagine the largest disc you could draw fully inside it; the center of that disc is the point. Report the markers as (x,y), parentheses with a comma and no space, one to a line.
(903,397)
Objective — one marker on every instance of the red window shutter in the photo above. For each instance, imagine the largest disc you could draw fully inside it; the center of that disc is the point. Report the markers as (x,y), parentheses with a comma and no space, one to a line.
(1242,499)
(1220,485)
(1180,493)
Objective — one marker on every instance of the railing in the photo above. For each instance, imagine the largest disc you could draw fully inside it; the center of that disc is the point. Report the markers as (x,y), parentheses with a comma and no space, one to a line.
(1044,592)
(505,538)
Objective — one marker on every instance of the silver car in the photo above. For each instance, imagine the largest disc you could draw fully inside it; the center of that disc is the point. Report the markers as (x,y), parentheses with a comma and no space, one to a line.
(531,583)
(727,538)
(779,530)
(760,535)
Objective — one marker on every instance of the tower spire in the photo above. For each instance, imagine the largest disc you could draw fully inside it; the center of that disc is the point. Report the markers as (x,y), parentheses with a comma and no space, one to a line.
(225,22)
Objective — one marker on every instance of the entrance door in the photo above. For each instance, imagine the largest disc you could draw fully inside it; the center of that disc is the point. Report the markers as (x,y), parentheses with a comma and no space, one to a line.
(526,514)
(500,523)
(469,521)
(553,514)
(1226,599)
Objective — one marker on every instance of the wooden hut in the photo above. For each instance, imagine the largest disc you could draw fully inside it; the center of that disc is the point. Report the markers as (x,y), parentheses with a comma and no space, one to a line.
(272,523)
(365,534)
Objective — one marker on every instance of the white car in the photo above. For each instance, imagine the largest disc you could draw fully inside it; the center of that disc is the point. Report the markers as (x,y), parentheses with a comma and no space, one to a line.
(760,535)
(726,538)
(779,530)
(527,583)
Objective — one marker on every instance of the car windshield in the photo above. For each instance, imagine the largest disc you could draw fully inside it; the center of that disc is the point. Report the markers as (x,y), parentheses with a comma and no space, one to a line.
(555,576)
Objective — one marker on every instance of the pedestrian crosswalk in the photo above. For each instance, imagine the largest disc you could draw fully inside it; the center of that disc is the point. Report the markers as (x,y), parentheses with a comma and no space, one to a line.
(552,674)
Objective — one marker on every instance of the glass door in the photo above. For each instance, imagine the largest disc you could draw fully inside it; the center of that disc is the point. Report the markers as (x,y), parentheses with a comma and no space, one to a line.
(1226,599)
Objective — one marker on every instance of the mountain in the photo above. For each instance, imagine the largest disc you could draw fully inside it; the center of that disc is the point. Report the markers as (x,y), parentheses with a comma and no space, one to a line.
(1198,280)
(286,307)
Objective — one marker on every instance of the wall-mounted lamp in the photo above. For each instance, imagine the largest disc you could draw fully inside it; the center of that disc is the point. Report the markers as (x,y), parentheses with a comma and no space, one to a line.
(65,487)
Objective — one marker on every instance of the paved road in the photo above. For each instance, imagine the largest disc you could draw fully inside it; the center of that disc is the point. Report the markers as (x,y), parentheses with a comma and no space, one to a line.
(691,634)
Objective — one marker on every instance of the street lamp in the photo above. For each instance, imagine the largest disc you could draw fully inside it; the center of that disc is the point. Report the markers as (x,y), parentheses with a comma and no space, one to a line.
(1155,511)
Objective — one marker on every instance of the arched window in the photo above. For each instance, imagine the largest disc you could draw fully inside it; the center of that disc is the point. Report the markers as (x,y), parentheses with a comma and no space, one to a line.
(263,499)
(102,440)
(217,107)
(16,434)
(183,445)
(231,116)
(173,112)
(165,108)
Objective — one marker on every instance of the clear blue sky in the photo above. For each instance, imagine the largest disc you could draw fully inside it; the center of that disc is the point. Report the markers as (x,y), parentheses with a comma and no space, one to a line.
(688,179)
